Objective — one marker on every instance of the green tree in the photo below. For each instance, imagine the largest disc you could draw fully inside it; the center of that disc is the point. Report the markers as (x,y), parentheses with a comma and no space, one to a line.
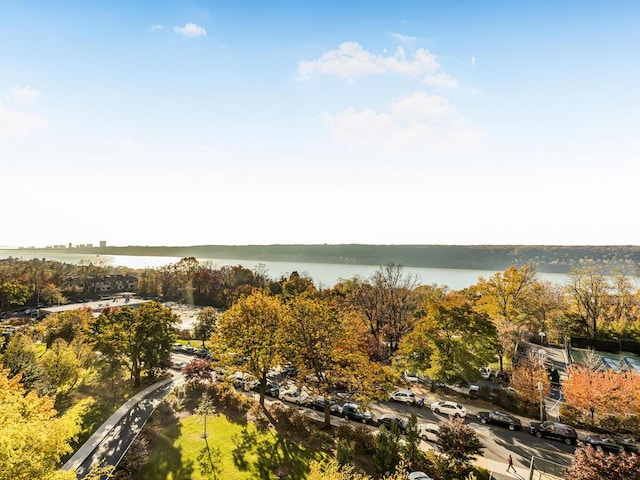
(68,326)
(61,366)
(453,340)
(21,357)
(388,449)
(140,338)
(251,329)
(12,294)
(205,324)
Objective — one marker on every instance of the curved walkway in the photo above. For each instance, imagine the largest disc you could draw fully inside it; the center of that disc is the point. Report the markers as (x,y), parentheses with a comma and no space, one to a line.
(102,433)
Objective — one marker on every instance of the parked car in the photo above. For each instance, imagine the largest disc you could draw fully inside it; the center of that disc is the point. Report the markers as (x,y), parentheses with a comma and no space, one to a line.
(354,412)
(605,444)
(419,476)
(270,389)
(318,404)
(295,396)
(628,444)
(500,418)
(405,396)
(429,432)
(243,380)
(557,431)
(202,353)
(389,420)
(449,408)
(486,372)
(409,377)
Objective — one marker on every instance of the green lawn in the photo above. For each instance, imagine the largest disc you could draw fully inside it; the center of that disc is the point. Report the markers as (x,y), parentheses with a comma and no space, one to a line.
(236,451)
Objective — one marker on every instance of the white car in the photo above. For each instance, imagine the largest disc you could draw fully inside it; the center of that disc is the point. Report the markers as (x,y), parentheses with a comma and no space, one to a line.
(410,377)
(419,476)
(405,396)
(429,432)
(295,396)
(449,408)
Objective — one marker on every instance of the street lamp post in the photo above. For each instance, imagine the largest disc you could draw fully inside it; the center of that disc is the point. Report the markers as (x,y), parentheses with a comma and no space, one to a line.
(619,345)
(541,355)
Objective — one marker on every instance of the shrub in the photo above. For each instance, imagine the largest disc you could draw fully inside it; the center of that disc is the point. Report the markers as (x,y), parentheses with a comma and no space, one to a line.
(359,436)
(288,418)
(344,453)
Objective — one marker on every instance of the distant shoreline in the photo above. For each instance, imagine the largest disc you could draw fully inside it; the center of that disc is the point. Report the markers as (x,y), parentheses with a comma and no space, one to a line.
(550,259)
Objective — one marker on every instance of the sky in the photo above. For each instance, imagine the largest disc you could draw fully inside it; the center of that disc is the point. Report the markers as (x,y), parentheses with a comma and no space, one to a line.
(287,122)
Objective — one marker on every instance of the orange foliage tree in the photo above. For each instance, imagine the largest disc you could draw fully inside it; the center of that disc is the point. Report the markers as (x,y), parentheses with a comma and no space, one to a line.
(529,372)
(604,391)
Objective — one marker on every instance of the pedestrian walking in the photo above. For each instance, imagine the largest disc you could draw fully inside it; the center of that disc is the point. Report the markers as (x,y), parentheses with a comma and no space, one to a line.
(510,464)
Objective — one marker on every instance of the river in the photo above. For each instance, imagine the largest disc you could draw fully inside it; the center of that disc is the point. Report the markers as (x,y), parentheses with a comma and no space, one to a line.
(323,274)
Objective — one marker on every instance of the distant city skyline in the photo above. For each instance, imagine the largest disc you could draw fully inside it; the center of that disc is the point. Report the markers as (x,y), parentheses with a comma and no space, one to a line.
(173,123)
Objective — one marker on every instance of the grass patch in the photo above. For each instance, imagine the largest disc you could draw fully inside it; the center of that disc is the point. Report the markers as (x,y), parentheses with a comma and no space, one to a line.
(231,451)
(107,393)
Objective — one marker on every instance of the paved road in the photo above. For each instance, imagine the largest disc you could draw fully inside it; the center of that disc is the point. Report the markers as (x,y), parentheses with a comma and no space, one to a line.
(499,442)
(114,446)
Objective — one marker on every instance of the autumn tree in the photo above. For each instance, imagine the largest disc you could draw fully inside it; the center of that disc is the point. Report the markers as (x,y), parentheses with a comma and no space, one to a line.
(452,341)
(509,299)
(386,301)
(528,374)
(319,341)
(33,438)
(587,293)
(459,443)
(604,392)
(251,329)
(198,371)
(205,324)
(591,464)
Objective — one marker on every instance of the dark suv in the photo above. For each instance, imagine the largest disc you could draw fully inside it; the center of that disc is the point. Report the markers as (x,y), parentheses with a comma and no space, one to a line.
(500,418)
(389,420)
(557,431)
(354,412)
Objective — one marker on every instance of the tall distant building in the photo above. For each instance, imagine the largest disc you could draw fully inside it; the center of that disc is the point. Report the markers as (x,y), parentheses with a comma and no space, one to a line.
(103,243)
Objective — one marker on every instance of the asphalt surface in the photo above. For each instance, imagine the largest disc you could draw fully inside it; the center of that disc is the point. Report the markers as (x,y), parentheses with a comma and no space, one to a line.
(499,442)
(116,443)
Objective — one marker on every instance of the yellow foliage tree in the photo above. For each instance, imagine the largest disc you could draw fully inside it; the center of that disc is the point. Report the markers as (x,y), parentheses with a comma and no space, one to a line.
(32,437)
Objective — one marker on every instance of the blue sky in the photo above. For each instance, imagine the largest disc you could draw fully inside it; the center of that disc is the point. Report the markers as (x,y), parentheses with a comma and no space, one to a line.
(417,122)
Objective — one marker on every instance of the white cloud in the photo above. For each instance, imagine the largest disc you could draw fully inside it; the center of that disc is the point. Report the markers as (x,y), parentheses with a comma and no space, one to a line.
(191,30)
(25,95)
(473,61)
(15,124)
(157,27)
(440,80)
(350,60)
(413,124)
(403,38)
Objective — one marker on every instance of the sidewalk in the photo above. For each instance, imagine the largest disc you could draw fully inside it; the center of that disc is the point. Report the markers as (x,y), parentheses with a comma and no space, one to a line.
(92,443)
